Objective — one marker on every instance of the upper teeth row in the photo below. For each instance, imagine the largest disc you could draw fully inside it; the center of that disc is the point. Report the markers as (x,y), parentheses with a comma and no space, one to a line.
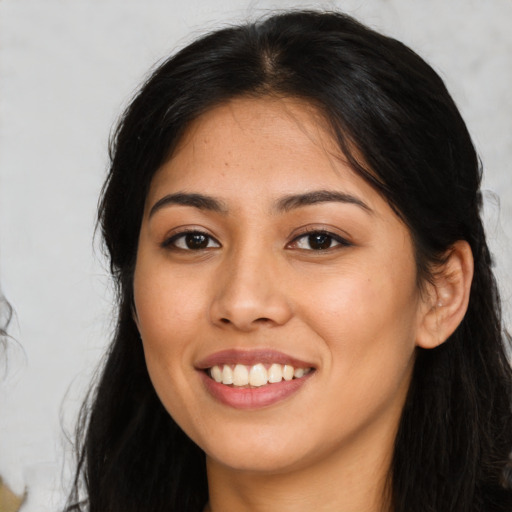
(256,375)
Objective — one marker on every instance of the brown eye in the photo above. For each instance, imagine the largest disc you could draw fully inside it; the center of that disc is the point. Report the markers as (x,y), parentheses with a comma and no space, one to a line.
(319,241)
(196,241)
(191,241)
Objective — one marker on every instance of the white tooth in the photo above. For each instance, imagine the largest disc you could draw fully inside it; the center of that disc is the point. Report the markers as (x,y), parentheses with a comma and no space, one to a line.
(216,373)
(298,373)
(287,372)
(258,375)
(227,375)
(240,375)
(275,373)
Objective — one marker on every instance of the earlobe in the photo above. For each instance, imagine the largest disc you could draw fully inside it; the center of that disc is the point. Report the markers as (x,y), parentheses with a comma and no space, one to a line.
(448,298)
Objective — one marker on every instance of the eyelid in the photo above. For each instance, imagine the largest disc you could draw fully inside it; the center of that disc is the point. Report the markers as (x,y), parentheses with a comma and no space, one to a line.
(341,241)
(176,234)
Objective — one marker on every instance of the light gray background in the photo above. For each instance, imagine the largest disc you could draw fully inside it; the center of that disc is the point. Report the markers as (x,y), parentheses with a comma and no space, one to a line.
(67,69)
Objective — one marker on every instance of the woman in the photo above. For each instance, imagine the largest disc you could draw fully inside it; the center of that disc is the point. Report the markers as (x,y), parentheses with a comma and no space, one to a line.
(307,314)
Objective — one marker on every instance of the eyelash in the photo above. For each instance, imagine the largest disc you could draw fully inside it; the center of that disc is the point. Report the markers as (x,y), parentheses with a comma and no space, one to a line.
(170,243)
(340,241)
(329,238)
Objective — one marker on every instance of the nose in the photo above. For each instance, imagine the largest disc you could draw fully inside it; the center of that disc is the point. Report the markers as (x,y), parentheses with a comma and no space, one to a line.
(250,293)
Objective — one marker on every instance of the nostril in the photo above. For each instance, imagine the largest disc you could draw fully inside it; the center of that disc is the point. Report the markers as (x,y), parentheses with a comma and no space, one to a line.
(262,320)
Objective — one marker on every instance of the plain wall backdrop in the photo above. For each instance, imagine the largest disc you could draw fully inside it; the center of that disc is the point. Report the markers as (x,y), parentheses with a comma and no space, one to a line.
(67,69)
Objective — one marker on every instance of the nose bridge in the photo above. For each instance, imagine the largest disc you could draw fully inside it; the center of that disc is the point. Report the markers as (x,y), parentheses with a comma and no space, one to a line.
(250,289)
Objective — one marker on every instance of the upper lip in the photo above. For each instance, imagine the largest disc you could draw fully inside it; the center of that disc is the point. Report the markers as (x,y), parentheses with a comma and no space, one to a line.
(249,358)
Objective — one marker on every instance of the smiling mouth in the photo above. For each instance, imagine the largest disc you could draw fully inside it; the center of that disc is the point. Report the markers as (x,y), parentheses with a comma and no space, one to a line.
(257,375)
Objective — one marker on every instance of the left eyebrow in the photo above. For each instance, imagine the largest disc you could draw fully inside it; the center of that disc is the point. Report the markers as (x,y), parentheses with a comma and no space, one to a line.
(291,202)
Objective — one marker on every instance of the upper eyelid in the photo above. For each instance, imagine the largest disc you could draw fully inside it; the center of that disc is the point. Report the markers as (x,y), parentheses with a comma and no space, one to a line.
(341,241)
(324,231)
(170,238)
(321,232)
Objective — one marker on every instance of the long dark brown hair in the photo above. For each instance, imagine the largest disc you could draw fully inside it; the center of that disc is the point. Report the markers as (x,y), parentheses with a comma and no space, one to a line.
(385,103)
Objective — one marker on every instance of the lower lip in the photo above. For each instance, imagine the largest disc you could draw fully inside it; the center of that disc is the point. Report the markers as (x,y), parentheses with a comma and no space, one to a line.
(253,398)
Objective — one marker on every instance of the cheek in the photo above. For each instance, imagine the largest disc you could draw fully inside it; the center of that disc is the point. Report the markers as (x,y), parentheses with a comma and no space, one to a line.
(169,315)
(169,307)
(366,318)
(368,328)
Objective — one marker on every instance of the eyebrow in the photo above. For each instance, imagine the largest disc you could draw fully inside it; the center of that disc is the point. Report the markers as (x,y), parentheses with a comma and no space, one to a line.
(291,202)
(199,201)
(285,204)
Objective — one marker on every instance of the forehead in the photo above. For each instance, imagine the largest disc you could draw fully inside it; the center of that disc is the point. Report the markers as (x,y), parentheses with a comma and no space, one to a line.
(263,117)
(265,145)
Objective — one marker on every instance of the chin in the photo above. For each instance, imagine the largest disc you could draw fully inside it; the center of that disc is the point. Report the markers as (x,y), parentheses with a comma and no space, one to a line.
(268,455)
(261,462)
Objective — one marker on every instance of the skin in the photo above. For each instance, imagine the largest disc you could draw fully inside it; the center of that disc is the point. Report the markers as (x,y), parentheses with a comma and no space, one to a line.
(352,311)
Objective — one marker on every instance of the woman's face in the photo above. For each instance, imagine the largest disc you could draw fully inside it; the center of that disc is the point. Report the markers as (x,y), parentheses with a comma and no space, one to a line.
(262,254)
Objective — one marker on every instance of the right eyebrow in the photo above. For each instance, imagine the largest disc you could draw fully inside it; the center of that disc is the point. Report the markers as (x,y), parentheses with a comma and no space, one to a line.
(199,201)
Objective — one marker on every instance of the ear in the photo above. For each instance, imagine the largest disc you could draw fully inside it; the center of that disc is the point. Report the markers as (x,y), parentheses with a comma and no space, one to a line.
(446,301)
